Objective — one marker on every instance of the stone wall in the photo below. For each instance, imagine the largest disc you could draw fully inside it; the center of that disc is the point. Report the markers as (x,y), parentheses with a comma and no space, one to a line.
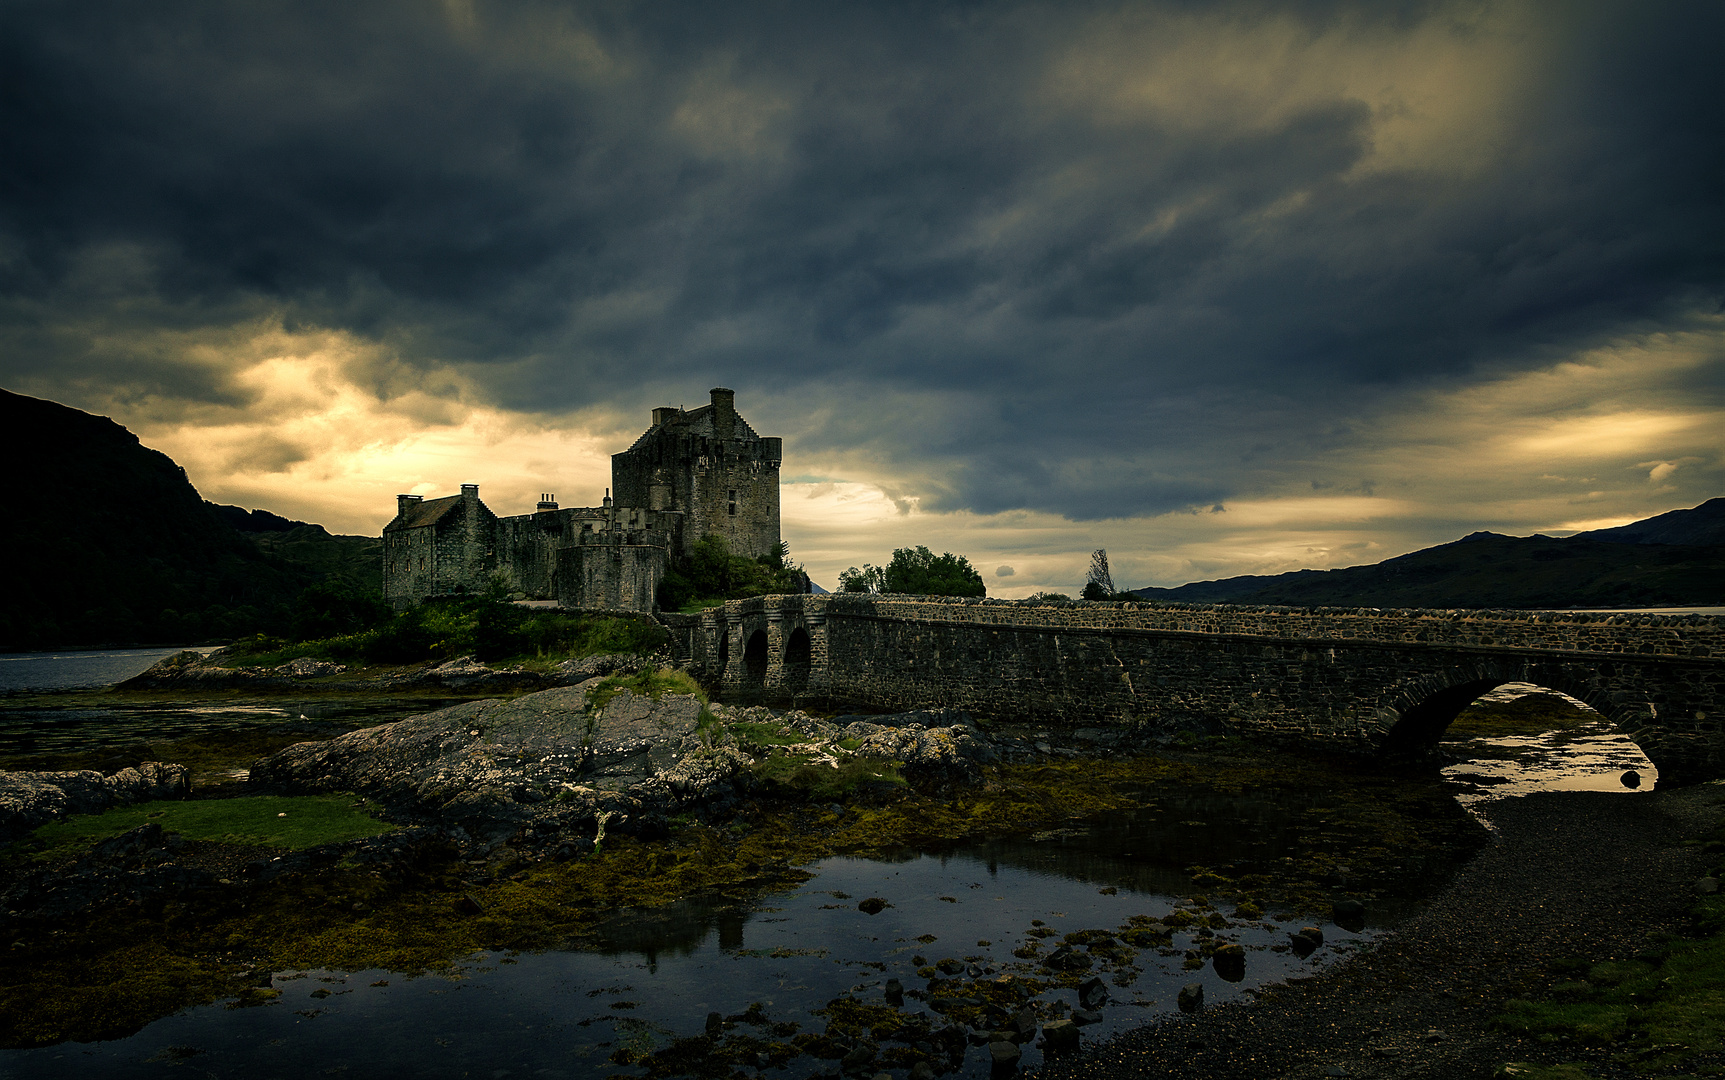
(1349,679)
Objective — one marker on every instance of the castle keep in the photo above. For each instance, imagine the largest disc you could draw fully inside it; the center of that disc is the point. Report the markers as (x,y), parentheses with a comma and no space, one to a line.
(691,473)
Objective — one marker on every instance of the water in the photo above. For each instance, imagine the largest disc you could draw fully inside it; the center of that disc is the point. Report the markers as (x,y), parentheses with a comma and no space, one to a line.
(77,670)
(653,976)
(1590,756)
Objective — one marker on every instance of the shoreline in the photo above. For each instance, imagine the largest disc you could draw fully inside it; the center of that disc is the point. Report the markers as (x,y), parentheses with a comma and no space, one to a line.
(1569,874)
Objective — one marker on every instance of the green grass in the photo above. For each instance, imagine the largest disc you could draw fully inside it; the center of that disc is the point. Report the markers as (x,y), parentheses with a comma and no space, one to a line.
(650,683)
(794,774)
(264,820)
(765,735)
(1652,1013)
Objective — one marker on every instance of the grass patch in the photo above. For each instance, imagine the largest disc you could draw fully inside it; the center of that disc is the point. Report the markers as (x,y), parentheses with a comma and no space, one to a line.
(751,734)
(649,683)
(310,820)
(802,776)
(1651,1014)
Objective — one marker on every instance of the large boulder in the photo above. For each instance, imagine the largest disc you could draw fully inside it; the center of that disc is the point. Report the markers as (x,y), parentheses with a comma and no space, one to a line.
(550,763)
(30,799)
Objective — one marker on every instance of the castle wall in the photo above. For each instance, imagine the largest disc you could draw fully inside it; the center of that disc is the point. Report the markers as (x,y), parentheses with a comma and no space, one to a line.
(619,572)
(409,565)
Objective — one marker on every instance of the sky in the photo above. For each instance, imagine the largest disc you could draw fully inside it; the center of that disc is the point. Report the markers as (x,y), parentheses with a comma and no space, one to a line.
(1222,288)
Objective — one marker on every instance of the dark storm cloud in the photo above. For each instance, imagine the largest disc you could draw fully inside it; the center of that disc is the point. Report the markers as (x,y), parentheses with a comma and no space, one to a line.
(1108,302)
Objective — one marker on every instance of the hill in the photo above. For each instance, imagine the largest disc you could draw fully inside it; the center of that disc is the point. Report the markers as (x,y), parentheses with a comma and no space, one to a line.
(112,544)
(1673,560)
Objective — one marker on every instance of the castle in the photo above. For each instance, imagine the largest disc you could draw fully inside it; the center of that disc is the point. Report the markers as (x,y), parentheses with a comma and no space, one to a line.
(692,473)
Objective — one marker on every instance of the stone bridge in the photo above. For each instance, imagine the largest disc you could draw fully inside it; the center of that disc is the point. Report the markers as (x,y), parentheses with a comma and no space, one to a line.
(1362,680)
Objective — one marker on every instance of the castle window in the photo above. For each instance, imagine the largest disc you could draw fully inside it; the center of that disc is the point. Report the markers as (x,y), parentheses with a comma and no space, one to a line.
(733,502)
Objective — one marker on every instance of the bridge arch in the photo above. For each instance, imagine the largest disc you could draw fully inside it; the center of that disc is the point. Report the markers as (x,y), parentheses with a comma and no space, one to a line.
(1427,705)
(755,657)
(798,658)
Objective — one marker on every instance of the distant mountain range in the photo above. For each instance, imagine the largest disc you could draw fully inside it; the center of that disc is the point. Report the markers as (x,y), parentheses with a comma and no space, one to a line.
(1672,560)
(111,544)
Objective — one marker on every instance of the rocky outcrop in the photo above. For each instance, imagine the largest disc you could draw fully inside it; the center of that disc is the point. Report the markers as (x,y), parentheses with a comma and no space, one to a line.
(550,764)
(560,768)
(927,744)
(31,799)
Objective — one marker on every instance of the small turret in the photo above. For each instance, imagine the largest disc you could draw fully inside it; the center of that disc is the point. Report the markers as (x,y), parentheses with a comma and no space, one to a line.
(724,414)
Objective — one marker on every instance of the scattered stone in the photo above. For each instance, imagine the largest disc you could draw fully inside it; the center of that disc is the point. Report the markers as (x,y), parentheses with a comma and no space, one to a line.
(949,966)
(1350,915)
(1230,962)
(715,1024)
(894,992)
(1004,1055)
(858,1058)
(1059,1036)
(1306,940)
(1024,1024)
(1085,1017)
(874,905)
(1093,993)
(922,1070)
(1631,779)
(1191,997)
(1707,886)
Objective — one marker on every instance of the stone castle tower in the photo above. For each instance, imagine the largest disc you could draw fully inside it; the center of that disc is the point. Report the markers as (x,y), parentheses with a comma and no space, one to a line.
(692,473)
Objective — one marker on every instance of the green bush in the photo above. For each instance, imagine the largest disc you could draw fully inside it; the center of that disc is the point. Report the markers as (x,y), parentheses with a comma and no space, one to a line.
(917,571)
(712,573)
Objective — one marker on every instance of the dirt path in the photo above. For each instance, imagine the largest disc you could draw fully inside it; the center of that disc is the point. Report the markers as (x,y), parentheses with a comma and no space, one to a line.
(1588,874)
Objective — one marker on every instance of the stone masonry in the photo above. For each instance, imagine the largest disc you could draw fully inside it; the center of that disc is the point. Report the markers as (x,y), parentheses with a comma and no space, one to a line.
(1356,680)
(693,472)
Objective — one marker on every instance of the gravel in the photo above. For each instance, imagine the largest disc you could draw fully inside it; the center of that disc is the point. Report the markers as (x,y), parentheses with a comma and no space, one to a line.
(1571,874)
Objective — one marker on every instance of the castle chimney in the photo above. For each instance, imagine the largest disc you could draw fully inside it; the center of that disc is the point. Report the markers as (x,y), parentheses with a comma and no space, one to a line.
(547,502)
(607,498)
(724,413)
(470,492)
(402,502)
(664,415)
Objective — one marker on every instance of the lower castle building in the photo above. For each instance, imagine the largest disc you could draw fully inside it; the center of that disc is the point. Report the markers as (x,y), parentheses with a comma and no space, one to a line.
(692,473)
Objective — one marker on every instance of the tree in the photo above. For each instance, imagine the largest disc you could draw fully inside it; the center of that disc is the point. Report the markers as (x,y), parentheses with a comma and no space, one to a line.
(711,572)
(917,571)
(1100,586)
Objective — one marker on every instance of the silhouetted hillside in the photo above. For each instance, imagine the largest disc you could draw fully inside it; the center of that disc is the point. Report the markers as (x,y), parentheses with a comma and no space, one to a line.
(1702,526)
(1622,567)
(111,543)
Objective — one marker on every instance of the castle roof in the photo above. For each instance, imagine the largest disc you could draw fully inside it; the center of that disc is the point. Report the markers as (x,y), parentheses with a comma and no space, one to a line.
(696,422)
(429,512)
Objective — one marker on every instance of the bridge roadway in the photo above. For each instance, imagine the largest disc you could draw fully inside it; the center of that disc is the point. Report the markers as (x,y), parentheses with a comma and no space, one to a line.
(1361,680)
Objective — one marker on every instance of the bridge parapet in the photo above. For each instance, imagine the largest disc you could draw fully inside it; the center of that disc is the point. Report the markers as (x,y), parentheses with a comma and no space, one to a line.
(1576,631)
